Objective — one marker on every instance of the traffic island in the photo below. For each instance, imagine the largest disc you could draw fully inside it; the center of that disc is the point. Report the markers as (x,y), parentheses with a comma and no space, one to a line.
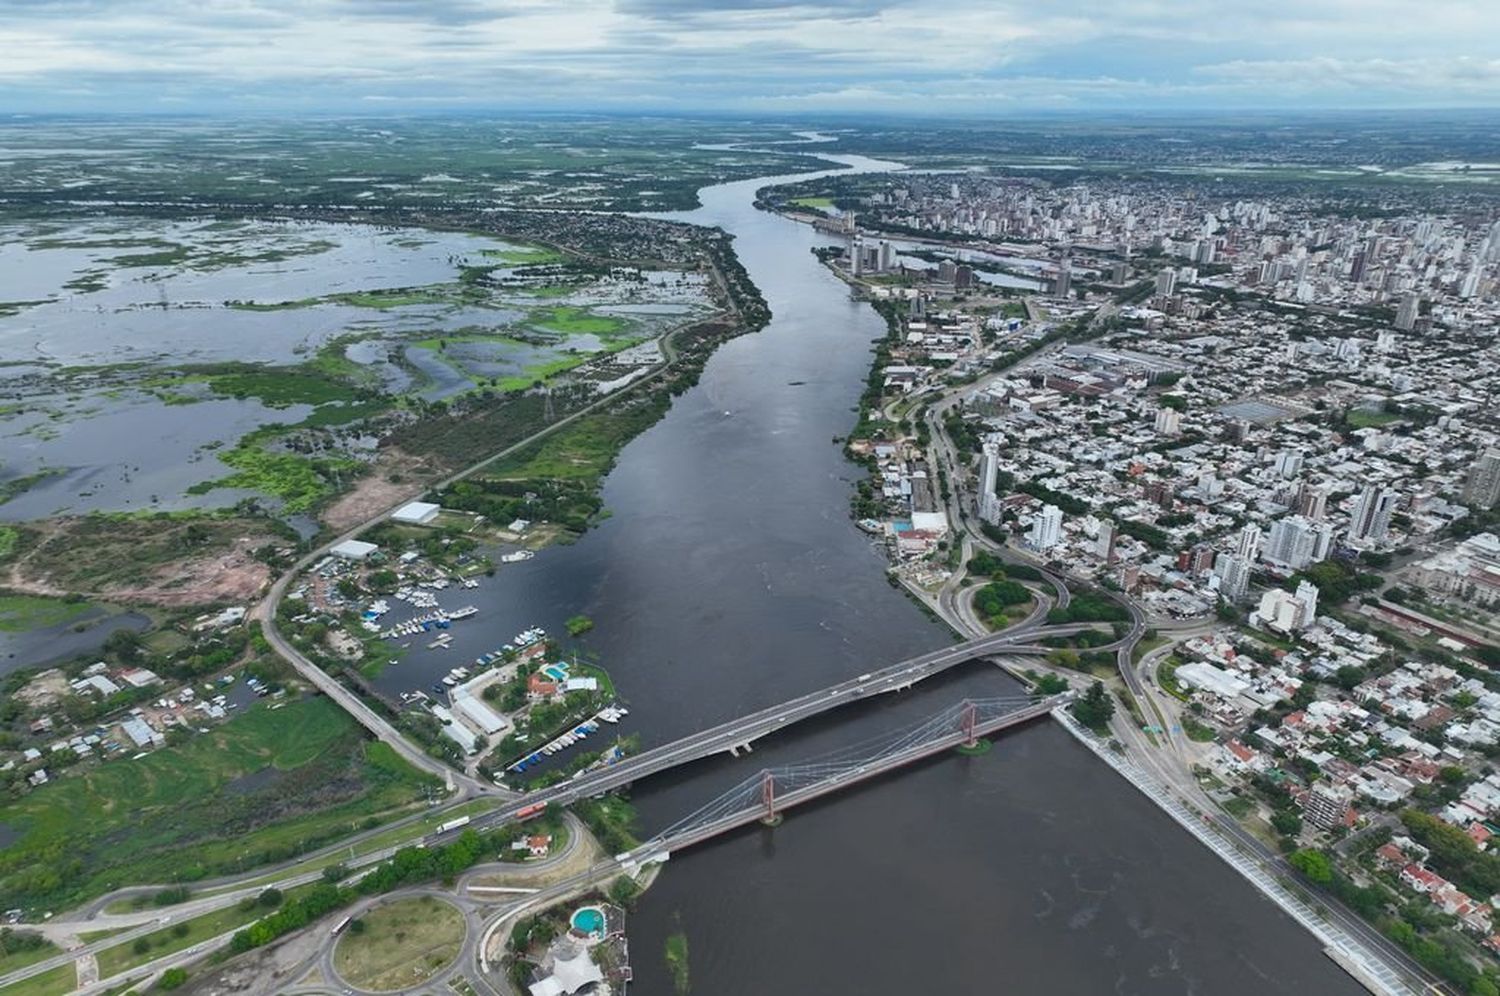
(399,944)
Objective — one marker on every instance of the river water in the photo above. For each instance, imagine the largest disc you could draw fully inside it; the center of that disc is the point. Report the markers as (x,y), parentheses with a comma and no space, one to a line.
(729,577)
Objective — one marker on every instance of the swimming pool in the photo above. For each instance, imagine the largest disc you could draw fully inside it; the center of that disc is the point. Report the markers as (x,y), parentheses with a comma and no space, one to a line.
(589,920)
(555,672)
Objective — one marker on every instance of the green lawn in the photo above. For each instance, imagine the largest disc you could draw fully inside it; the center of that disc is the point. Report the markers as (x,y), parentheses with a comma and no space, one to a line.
(177,936)
(19,613)
(10,960)
(524,255)
(1359,418)
(1166,678)
(577,321)
(57,982)
(189,812)
(817,203)
(584,451)
(411,832)
(401,944)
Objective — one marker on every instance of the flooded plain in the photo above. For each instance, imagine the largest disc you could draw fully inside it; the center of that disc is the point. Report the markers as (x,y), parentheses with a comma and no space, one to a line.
(113,330)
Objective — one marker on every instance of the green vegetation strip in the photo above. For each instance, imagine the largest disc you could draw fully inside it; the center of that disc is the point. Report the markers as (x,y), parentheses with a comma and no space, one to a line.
(192,811)
(54,982)
(19,613)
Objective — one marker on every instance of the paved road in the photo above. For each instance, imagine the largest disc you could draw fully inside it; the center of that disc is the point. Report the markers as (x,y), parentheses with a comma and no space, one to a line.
(377,724)
(1171,763)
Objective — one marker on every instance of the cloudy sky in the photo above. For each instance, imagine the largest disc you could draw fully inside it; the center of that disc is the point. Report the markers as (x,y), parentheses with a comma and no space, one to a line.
(948,57)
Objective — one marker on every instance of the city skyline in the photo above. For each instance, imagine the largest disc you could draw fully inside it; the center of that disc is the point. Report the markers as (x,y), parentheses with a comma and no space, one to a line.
(744,56)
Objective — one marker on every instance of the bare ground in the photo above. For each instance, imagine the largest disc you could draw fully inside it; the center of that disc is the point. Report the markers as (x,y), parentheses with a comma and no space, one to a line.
(376,491)
(60,559)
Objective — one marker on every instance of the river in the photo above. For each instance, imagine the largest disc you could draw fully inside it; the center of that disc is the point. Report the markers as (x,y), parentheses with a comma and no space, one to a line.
(729,577)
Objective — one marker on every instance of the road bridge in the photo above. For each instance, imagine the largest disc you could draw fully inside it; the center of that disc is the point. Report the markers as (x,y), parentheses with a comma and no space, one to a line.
(770,792)
(738,735)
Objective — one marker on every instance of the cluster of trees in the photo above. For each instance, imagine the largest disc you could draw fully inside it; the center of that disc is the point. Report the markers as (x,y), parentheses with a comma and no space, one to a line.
(988,564)
(1066,502)
(994,598)
(1454,854)
(612,821)
(1337,581)
(1152,536)
(1089,607)
(1094,708)
(406,866)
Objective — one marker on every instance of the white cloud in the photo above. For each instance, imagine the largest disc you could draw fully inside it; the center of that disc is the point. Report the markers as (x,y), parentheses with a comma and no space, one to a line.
(750,53)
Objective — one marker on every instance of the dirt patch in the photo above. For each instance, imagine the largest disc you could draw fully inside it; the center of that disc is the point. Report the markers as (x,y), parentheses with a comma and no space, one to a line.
(377,492)
(46,688)
(156,560)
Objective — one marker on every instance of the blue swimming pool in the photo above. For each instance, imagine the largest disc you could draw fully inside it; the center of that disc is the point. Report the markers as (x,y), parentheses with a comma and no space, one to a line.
(555,673)
(589,920)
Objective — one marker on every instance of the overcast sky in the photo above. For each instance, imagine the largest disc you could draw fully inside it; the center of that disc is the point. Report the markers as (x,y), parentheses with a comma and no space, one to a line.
(947,57)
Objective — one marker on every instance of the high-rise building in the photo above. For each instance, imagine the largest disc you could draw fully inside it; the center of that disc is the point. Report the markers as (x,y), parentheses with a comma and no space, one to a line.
(1289,464)
(1292,543)
(887,255)
(1064,282)
(1166,283)
(1248,547)
(1168,421)
(1482,489)
(1312,503)
(1327,805)
(1307,594)
(1234,576)
(1372,514)
(1406,315)
(1287,613)
(989,470)
(1046,528)
(1104,546)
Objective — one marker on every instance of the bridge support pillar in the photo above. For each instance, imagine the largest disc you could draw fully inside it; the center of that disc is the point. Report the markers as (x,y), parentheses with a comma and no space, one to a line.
(968,720)
(768,798)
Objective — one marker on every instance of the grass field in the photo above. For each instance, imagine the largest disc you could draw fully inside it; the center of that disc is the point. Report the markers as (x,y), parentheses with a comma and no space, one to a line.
(584,451)
(1359,418)
(19,613)
(577,321)
(402,944)
(300,482)
(193,811)
(525,255)
(184,934)
(56,982)
(12,960)
(282,386)
(817,203)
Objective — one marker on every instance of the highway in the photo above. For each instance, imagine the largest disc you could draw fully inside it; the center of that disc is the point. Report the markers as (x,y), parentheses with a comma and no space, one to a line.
(739,734)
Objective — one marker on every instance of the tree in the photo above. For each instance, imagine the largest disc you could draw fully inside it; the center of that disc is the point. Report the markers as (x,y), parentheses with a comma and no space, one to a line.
(1314,866)
(1095,708)
(1286,822)
(270,898)
(335,873)
(172,978)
